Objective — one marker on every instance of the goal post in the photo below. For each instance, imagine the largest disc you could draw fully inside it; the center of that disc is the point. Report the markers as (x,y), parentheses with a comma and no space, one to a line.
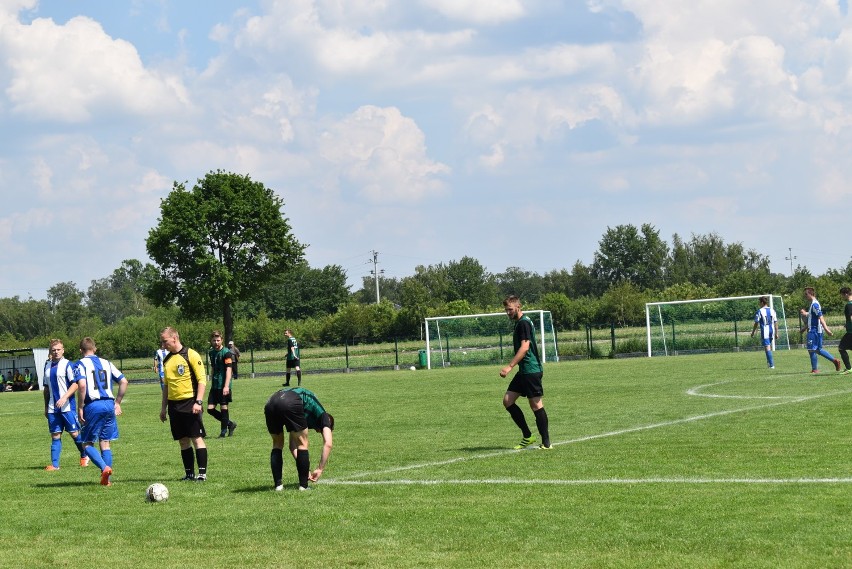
(709,324)
(472,339)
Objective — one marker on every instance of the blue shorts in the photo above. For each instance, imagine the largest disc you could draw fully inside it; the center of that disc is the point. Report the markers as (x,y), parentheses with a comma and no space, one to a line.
(767,341)
(56,422)
(814,341)
(100,422)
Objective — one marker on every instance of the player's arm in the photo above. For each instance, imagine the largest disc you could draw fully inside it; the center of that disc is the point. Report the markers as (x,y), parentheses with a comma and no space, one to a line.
(519,355)
(825,326)
(164,404)
(228,373)
(46,396)
(68,395)
(326,452)
(122,389)
(754,328)
(198,369)
(81,396)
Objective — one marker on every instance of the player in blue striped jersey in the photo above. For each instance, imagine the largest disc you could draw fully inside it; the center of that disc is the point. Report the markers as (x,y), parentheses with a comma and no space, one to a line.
(60,407)
(96,378)
(159,367)
(766,320)
(814,326)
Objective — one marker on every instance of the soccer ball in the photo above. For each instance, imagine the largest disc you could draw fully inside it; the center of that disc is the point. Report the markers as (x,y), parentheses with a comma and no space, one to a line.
(157,492)
(412,368)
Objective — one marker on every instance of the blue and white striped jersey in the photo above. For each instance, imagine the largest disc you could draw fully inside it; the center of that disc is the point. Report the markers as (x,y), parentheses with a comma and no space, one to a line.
(100,375)
(160,356)
(59,376)
(814,313)
(766,318)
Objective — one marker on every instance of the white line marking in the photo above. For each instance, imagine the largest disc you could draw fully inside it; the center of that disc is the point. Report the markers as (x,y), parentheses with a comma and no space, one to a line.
(696,391)
(587,437)
(592,482)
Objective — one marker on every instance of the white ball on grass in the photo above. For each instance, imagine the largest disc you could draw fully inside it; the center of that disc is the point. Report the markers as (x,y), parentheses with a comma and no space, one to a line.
(157,492)
(412,368)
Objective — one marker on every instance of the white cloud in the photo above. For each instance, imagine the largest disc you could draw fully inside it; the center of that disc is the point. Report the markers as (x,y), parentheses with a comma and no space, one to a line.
(383,154)
(74,71)
(484,12)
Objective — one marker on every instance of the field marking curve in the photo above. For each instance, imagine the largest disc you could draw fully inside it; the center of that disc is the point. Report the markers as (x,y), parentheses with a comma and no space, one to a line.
(586,438)
(586,482)
(696,392)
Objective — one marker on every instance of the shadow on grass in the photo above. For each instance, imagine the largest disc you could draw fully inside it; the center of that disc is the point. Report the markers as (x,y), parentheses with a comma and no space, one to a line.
(64,484)
(481,449)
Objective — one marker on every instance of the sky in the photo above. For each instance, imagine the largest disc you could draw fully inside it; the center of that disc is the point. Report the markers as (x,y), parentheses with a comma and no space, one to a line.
(511,131)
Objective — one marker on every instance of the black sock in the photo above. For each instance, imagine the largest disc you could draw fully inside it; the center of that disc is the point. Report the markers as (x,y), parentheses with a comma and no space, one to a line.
(216,414)
(276,461)
(225,419)
(188,458)
(288,378)
(520,420)
(541,423)
(201,456)
(299,376)
(303,466)
(844,354)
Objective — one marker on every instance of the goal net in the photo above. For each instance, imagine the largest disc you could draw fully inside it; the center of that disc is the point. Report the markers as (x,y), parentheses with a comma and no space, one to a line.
(476,339)
(709,324)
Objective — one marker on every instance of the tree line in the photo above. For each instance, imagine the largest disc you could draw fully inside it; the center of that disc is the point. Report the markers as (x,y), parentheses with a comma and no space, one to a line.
(225,257)
(632,266)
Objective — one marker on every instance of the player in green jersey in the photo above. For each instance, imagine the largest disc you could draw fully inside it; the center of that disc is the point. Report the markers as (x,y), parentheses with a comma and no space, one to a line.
(297,410)
(846,340)
(221,372)
(527,382)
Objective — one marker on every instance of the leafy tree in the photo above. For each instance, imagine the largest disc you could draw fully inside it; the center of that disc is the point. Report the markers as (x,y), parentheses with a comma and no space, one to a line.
(526,285)
(219,243)
(559,306)
(468,280)
(302,292)
(388,290)
(707,259)
(434,279)
(623,304)
(627,255)
(558,280)
(66,302)
(583,282)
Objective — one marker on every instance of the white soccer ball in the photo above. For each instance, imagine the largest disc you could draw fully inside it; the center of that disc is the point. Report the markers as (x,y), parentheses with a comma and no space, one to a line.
(412,368)
(157,492)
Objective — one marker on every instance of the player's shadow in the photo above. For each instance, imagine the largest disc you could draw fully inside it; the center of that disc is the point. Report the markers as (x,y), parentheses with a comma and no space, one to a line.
(62,484)
(262,489)
(481,449)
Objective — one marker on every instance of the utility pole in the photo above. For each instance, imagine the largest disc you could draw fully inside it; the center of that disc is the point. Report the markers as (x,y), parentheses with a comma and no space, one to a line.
(376,272)
(790,258)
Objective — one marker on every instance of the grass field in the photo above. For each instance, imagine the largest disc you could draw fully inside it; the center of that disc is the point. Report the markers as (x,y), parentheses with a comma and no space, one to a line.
(689,461)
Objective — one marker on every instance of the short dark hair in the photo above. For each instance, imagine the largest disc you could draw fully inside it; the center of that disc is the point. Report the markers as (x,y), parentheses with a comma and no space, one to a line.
(511,299)
(845,290)
(764,300)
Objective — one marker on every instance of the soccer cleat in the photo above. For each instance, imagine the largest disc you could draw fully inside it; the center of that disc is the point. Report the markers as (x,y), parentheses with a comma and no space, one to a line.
(836,364)
(525,442)
(303,488)
(279,488)
(105,474)
(188,477)
(543,447)
(771,367)
(846,372)
(201,478)
(232,426)
(286,384)
(223,433)
(84,461)
(814,371)
(51,468)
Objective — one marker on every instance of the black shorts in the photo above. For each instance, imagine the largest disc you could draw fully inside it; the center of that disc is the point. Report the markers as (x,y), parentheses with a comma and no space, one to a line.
(185,423)
(293,363)
(216,397)
(285,410)
(528,385)
(845,342)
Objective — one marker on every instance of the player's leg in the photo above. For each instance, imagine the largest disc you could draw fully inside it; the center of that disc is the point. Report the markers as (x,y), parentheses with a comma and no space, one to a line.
(510,403)
(299,375)
(299,440)
(276,460)
(845,345)
(55,451)
(187,456)
(200,457)
(768,350)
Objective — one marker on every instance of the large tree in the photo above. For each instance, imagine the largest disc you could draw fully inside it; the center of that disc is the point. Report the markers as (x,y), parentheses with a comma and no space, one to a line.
(626,254)
(219,243)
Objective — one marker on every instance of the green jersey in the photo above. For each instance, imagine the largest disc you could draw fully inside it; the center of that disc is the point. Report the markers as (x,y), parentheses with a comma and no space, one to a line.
(220,360)
(292,348)
(524,330)
(313,408)
(848,313)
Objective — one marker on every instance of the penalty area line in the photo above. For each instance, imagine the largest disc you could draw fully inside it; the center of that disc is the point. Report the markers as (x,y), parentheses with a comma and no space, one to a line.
(588,482)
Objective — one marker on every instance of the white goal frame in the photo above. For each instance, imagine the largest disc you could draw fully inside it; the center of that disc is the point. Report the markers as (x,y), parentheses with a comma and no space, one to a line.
(541,331)
(649,305)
